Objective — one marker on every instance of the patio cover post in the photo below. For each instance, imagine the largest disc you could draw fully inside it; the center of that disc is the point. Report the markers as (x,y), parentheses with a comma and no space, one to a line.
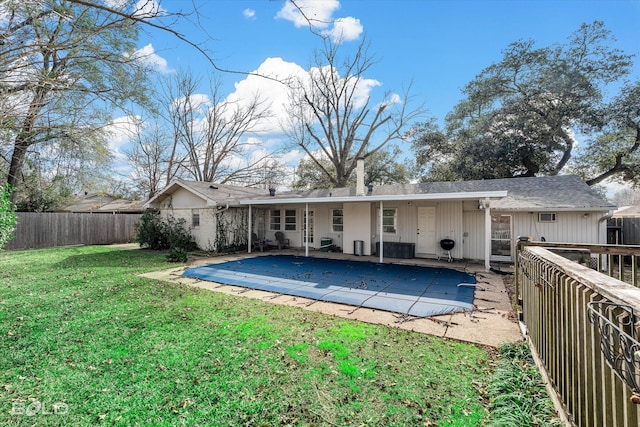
(381,232)
(487,235)
(249,232)
(306,229)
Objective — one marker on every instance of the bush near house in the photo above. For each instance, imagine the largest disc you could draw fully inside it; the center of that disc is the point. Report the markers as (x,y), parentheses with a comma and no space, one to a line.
(157,233)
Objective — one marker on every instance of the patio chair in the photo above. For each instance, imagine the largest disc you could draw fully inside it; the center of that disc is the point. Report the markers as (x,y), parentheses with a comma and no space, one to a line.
(257,243)
(281,240)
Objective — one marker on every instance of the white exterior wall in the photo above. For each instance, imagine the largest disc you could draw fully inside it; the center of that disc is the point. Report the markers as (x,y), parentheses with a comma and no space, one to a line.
(357,226)
(183,199)
(574,227)
(449,224)
(182,204)
(461,221)
(324,225)
(473,234)
(294,236)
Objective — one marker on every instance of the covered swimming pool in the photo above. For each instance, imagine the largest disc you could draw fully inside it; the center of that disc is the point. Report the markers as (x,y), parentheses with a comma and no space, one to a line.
(407,289)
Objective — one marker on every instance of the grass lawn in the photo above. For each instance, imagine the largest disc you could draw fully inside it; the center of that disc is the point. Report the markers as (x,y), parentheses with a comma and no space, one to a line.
(85,341)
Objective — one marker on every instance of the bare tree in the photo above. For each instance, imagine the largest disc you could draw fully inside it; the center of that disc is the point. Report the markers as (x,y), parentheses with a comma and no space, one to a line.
(149,160)
(202,136)
(331,115)
(213,132)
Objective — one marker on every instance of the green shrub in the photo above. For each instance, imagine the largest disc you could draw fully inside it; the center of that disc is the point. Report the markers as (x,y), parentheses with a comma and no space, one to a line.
(177,255)
(156,233)
(8,218)
(179,235)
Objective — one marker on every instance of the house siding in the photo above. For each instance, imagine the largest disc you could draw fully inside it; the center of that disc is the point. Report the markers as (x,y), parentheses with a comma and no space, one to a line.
(449,225)
(473,234)
(576,227)
(357,226)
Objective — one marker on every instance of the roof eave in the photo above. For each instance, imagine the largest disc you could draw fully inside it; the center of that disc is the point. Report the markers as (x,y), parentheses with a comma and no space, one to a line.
(379,198)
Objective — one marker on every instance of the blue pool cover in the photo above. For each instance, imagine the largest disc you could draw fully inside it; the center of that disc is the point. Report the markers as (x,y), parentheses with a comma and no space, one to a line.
(407,289)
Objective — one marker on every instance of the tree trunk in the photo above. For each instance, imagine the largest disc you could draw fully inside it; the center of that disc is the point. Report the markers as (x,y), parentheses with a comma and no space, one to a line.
(618,166)
(15,169)
(24,140)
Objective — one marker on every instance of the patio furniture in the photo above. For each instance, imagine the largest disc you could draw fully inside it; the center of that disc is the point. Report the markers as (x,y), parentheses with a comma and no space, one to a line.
(282,242)
(397,249)
(257,243)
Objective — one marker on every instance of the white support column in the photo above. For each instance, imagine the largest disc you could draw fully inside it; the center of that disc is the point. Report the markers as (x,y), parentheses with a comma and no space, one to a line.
(381,233)
(306,229)
(487,235)
(249,231)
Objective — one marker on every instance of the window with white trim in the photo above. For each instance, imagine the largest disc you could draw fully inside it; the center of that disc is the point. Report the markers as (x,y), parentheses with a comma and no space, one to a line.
(275,219)
(337,220)
(546,217)
(290,220)
(195,218)
(389,220)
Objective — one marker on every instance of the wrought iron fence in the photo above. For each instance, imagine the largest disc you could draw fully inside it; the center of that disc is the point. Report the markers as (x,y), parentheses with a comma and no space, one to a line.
(583,329)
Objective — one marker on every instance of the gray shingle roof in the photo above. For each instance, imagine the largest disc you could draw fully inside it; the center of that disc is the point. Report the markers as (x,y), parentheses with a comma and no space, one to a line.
(223,194)
(218,194)
(535,193)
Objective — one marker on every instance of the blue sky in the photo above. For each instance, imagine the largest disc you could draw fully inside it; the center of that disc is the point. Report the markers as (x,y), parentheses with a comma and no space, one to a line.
(439,46)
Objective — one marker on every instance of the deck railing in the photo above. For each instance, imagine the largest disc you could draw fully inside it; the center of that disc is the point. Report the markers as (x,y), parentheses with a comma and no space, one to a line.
(583,327)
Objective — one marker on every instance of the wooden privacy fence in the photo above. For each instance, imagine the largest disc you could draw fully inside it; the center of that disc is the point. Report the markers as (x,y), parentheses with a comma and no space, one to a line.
(583,328)
(44,230)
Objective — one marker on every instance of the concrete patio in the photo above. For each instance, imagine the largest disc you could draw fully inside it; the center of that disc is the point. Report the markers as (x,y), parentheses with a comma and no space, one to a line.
(491,321)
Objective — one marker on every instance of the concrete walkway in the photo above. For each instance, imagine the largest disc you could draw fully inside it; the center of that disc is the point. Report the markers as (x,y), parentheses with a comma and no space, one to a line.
(492,322)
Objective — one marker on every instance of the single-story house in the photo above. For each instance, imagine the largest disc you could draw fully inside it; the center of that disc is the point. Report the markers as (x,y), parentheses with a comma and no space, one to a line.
(212,211)
(483,218)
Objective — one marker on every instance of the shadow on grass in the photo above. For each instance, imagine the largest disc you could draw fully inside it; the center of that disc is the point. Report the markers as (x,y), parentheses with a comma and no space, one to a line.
(114,258)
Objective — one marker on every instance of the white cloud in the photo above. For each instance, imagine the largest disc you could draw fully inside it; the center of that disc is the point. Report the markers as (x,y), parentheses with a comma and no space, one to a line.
(345,29)
(148,57)
(291,157)
(363,91)
(121,131)
(318,13)
(276,94)
(393,99)
(197,102)
(249,13)
(148,9)
(116,4)
(272,90)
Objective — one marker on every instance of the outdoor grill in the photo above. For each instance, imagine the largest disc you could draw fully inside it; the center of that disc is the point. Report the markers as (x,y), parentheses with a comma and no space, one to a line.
(447,245)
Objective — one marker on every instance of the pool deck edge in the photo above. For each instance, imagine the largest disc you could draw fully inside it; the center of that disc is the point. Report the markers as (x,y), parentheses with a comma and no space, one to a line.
(492,321)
